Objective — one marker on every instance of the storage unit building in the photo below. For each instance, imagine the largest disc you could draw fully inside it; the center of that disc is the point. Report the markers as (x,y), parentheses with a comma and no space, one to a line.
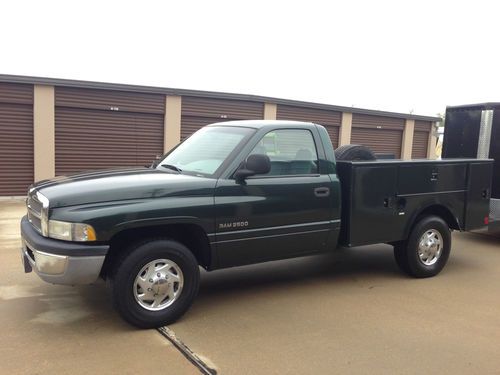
(382,134)
(94,125)
(331,120)
(421,139)
(98,129)
(200,111)
(16,138)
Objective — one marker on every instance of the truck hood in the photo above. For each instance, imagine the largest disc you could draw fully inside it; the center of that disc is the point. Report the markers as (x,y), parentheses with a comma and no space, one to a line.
(121,184)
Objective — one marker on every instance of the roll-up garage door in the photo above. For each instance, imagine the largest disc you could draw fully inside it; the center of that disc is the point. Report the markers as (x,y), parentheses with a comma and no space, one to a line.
(16,138)
(198,112)
(331,120)
(421,139)
(383,135)
(99,129)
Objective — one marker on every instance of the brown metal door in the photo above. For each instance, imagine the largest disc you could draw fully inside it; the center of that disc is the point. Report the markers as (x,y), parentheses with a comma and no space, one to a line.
(190,124)
(98,129)
(383,135)
(198,112)
(421,139)
(331,120)
(109,100)
(16,138)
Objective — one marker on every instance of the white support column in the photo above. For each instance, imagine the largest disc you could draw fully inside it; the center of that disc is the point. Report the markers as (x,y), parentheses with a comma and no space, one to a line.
(407,146)
(270,111)
(172,122)
(44,132)
(431,144)
(345,129)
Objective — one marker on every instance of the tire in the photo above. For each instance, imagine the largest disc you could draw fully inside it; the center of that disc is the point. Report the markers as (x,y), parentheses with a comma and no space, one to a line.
(354,152)
(427,249)
(176,279)
(399,256)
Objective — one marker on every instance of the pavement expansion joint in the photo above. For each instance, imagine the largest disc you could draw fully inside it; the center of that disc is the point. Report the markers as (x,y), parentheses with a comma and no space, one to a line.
(186,352)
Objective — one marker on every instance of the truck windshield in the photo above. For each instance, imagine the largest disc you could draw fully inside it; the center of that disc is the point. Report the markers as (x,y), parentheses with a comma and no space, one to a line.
(205,151)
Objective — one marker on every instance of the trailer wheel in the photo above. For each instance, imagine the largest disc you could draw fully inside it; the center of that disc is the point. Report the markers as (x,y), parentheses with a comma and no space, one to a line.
(427,249)
(154,283)
(354,152)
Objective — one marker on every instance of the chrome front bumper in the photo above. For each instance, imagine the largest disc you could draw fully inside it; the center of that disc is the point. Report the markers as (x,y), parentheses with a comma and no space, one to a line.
(60,262)
(61,269)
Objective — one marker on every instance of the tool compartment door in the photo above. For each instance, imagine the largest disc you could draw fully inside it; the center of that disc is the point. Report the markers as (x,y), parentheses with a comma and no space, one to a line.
(477,205)
(368,203)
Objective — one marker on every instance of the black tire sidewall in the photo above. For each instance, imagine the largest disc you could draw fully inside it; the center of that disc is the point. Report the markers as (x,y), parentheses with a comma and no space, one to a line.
(354,152)
(413,262)
(401,258)
(126,272)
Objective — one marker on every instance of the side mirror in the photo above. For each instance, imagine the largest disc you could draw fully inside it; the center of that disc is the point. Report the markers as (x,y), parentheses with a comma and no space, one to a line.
(155,162)
(255,164)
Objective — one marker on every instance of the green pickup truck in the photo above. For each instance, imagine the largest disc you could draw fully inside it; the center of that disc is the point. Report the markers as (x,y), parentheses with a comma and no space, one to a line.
(238,193)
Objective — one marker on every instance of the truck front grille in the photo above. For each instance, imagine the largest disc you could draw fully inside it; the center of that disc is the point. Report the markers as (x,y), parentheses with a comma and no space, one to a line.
(35,208)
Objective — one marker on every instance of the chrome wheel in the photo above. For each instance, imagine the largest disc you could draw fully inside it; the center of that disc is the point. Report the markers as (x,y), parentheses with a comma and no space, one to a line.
(158,284)
(430,247)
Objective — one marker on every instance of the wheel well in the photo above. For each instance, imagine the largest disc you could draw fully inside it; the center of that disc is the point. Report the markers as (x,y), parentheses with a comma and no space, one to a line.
(443,212)
(190,235)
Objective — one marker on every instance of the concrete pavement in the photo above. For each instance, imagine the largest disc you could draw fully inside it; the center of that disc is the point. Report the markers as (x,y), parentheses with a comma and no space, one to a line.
(351,311)
(49,329)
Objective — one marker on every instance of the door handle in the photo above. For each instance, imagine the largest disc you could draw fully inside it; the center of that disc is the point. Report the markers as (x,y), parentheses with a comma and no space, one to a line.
(322,192)
(388,202)
(485,194)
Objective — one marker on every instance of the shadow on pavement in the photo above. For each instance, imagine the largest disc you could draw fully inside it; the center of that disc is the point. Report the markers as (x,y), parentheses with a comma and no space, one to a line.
(339,265)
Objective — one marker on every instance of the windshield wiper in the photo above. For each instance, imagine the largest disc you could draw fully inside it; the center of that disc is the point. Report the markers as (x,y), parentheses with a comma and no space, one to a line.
(171,167)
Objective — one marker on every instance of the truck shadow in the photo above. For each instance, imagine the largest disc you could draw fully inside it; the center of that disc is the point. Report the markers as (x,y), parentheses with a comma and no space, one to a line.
(59,307)
(340,265)
(363,266)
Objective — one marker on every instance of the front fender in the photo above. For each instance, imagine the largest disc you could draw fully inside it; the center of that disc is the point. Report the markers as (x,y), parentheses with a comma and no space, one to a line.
(110,218)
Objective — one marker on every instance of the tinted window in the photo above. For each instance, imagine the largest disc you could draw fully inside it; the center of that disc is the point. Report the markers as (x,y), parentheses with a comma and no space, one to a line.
(291,151)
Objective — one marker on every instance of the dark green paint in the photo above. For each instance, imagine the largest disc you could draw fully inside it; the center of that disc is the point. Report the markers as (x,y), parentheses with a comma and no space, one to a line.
(382,199)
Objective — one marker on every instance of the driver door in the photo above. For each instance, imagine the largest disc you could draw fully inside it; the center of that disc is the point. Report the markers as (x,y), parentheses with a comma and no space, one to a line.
(284,213)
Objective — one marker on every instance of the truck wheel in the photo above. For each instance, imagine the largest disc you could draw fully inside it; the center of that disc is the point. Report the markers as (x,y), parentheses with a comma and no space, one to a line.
(354,152)
(155,283)
(400,257)
(427,249)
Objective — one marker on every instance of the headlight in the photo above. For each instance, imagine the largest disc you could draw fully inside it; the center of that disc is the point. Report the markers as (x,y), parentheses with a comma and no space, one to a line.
(44,213)
(62,230)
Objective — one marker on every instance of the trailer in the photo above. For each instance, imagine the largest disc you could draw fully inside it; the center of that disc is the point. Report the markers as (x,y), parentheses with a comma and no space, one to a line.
(473,131)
